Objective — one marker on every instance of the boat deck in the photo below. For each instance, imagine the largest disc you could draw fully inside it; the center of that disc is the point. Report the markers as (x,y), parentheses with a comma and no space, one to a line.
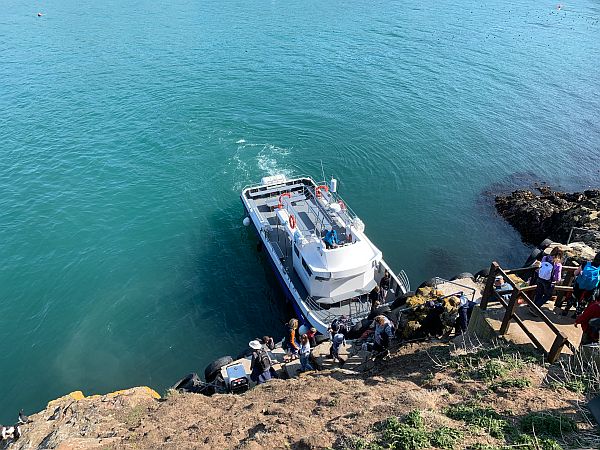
(312,218)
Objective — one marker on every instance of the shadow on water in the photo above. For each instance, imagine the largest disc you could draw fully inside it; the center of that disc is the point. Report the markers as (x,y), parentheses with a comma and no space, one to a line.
(442,262)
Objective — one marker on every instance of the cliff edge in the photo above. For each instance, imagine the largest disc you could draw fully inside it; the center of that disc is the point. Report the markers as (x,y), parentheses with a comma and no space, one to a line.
(425,396)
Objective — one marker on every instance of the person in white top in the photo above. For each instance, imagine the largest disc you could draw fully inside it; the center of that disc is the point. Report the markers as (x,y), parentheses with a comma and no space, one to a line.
(305,354)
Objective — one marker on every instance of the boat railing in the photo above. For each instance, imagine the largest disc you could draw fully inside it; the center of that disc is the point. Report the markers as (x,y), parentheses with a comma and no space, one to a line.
(357,310)
(400,283)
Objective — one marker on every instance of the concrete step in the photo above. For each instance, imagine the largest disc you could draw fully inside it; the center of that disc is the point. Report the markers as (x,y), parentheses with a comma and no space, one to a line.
(352,354)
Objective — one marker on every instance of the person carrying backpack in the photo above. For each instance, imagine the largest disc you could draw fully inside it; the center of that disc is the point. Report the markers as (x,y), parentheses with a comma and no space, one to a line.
(585,287)
(548,274)
(260,367)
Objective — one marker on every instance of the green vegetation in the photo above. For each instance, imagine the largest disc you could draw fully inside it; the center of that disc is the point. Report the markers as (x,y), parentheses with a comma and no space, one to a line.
(494,367)
(527,442)
(411,433)
(445,437)
(485,418)
(512,383)
(491,364)
(400,436)
(548,424)
(578,374)
(414,419)
(577,386)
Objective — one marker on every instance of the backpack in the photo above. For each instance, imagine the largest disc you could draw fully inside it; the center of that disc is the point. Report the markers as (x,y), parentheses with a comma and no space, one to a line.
(343,323)
(589,277)
(264,362)
(545,271)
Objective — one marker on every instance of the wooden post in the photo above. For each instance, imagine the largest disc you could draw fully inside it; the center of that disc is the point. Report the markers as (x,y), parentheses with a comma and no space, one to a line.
(510,310)
(568,282)
(489,286)
(557,347)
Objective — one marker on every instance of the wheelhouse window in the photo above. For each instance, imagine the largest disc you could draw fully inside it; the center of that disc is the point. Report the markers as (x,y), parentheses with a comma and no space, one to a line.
(296,251)
(308,271)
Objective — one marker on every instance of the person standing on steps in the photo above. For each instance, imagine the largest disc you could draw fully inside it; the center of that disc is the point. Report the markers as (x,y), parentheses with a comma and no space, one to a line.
(337,341)
(311,333)
(585,287)
(549,273)
(384,286)
(305,354)
(290,342)
(260,366)
(384,332)
(589,321)
(374,298)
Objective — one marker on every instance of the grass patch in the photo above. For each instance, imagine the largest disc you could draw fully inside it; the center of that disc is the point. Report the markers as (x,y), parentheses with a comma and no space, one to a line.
(485,418)
(414,419)
(445,437)
(527,442)
(511,383)
(548,424)
(577,386)
(410,434)
(397,435)
(490,364)
(356,443)
(579,373)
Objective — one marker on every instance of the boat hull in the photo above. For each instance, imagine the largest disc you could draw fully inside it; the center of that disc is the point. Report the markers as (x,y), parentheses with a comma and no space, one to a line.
(284,287)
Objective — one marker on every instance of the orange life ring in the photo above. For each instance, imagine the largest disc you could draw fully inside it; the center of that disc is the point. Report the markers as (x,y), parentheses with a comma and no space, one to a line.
(285,194)
(319,188)
(342,205)
(292,222)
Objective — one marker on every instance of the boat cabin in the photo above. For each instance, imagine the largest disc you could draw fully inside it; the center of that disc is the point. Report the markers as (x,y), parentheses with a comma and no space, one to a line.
(298,216)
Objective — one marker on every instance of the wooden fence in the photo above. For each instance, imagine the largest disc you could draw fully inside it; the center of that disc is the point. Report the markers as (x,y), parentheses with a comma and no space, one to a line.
(518,292)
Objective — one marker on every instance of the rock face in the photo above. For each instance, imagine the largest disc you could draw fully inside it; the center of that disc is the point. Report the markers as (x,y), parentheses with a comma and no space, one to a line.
(318,410)
(552,214)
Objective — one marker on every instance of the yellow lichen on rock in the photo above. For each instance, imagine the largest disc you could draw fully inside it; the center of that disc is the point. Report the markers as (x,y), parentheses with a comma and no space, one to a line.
(75,395)
(79,395)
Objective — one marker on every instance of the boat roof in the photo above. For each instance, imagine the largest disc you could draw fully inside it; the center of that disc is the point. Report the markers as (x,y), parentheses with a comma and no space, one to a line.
(316,211)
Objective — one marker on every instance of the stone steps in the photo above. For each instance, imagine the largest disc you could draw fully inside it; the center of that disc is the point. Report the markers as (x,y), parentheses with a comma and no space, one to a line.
(352,354)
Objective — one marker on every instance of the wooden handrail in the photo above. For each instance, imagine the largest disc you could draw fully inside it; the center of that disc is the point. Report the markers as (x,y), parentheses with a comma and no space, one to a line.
(518,292)
(525,269)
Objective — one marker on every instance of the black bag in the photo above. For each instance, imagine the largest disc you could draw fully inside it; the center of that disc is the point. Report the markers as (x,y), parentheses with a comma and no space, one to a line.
(264,362)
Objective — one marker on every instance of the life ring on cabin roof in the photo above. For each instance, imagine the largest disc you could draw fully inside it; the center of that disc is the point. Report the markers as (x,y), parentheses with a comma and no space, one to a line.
(319,188)
(292,222)
(285,194)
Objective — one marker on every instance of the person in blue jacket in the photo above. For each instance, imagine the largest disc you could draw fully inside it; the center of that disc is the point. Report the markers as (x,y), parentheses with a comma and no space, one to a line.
(331,239)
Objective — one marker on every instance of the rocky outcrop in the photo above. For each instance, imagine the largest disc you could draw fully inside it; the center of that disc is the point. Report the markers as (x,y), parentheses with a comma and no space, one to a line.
(75,421)
(552,214)
(318,410)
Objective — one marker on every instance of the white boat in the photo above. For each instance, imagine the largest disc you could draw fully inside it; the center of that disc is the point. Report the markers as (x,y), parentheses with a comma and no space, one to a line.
(292,217)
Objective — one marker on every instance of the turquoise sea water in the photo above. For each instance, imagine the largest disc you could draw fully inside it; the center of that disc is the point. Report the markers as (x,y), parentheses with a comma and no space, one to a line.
(128,128)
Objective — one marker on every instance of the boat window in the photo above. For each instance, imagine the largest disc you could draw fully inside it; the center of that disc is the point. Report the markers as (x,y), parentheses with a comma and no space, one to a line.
(308,271)
(323,278)
(296,251)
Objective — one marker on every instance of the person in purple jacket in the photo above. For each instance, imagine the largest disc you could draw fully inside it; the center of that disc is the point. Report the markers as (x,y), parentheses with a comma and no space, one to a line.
(549,273)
